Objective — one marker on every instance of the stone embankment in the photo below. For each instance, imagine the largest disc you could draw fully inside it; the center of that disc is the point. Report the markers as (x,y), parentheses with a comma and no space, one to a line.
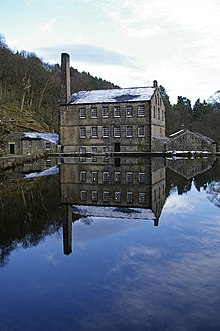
(10,162)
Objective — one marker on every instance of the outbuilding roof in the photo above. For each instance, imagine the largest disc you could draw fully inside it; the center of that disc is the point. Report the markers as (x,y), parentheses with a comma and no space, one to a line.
(197,134)
(138,94)
(51,137)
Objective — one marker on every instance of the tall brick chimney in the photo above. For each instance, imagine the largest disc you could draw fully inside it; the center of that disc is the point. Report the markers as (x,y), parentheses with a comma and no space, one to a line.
(65,79)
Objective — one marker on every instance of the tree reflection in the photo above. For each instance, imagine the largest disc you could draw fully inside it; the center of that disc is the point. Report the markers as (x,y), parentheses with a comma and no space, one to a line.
(29,212)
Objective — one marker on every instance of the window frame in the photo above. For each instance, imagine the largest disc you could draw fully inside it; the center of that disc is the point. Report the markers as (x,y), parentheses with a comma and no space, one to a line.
(94,132)
(104,129)
(117,111)
(140,134)
(93,112)
(105,109)
(82,112)
(129,131)
(83,195)
(129,174)
(95,176)
(141,177)
(82,176)
(82,129)
(141,110)
(129,111)
(117,132)
(106,177)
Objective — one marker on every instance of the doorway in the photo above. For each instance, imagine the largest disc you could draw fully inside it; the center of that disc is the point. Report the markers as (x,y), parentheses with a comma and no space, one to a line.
(117,147)
(12,148)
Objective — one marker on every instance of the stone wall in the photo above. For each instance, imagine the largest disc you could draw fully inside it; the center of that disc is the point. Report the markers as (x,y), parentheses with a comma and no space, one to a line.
(189,141)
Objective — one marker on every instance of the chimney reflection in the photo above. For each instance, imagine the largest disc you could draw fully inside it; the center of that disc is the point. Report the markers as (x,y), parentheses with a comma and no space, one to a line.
(67,216)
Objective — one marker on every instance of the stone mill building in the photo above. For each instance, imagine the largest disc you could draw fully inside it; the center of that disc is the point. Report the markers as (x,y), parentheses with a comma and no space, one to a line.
(109,120)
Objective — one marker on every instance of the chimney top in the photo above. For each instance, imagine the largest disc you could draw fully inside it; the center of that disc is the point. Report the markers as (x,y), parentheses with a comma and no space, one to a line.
(155,84)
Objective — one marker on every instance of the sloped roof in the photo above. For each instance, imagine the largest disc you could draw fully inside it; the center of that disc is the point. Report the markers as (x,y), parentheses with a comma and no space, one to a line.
(51,137)
(182,131)
(113,95)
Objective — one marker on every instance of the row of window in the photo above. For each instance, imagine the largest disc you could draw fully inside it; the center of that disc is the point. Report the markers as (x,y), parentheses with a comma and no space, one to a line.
(129,132)
(129,111)
(105,195)
(129,177)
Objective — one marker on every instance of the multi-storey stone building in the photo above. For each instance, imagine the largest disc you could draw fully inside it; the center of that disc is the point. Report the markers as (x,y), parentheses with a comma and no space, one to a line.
(111,120)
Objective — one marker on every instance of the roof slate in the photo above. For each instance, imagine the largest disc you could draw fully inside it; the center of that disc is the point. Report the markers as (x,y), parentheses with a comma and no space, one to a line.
(138,94)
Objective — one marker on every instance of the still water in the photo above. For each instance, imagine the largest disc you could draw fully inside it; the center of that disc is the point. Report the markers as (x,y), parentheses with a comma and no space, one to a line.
(129,244)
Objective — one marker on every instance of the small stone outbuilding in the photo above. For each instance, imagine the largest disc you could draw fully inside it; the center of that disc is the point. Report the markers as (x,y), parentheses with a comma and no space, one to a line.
(186,140)
(26,143)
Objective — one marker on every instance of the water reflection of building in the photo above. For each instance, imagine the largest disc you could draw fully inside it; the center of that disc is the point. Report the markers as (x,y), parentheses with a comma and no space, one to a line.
(103,181)
(189,168)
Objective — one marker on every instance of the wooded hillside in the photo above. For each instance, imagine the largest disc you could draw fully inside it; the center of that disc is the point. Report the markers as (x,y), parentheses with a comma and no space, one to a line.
(30,91)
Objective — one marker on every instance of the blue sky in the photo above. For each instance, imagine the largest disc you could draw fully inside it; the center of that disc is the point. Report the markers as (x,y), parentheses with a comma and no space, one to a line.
(128,42)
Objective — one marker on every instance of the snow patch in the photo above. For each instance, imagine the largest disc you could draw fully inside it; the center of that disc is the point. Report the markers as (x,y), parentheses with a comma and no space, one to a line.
(113,212)
(51,137)
(113,95)
(48,172)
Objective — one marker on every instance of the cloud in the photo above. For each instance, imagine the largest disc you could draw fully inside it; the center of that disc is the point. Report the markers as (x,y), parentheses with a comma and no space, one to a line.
(88,54)
(49,257)
(49,25)
(134,16)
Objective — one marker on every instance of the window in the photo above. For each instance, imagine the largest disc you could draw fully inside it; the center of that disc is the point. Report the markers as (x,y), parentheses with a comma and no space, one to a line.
(94,112)
(105,111)
(82,176)
(141,197)
(95,196)
(105,149)
(141,177)
(105,131)
(154,112)
(162,115)
(82,132)
(117,132)
(106,196)
(129,197)
(158,113)
(83,195)
(129,177)
(82,112)
(82,150)
(141,132)
(94,150)
(117,196)
(94,176)
(105,176)
(117,112)
(129,131)
(94,132)
(129,111)
(141,111)
(117,177)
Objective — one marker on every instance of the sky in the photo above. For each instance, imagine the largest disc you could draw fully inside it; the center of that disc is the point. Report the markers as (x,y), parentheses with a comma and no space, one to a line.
(128,42)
